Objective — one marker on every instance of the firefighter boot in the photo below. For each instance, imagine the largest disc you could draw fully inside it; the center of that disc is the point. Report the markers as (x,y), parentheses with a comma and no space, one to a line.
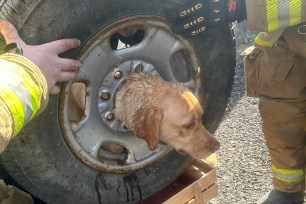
(278,197)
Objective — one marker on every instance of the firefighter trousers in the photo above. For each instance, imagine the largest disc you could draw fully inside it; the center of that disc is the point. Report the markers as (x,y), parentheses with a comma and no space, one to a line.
(284,126)
(277,75)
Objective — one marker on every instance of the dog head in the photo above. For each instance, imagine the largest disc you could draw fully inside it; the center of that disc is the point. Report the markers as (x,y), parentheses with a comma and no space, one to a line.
(177,121)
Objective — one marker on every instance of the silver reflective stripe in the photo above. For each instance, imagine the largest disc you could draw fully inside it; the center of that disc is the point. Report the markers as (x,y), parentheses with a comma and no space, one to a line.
(288,175)
(283,9)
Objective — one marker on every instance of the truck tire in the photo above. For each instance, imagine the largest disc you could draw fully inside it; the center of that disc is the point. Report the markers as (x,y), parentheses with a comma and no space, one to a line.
(43,159)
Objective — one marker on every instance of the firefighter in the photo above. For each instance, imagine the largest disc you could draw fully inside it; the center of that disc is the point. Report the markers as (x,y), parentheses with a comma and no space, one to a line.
(275,71)
(25,82)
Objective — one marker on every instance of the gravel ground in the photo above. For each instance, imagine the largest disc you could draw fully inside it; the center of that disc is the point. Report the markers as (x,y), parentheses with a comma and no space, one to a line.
(243,168)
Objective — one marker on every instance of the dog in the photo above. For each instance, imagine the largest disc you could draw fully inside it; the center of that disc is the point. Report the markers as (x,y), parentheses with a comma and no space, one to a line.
(160,111)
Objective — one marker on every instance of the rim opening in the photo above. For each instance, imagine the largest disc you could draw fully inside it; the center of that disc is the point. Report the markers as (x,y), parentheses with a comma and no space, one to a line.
(126,38)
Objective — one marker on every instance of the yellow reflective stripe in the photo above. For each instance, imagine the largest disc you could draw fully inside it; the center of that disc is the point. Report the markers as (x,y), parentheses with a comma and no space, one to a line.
(15,106)
(30,85)
(262,40)
(289,176)
(295,12)
(272,15)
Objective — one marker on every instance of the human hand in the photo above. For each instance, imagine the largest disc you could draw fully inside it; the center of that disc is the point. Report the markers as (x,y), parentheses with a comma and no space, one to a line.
(46,56)
(196,16)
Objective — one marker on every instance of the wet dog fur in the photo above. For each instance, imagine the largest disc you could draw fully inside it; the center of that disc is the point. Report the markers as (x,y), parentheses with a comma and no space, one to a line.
(161,111)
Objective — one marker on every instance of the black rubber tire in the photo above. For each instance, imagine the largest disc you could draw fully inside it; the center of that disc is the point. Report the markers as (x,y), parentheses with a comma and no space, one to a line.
(38,158)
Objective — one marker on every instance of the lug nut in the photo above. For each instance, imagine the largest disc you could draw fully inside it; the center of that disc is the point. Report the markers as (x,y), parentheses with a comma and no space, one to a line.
(109,116)
(104,96)
(139,68)
(117,74)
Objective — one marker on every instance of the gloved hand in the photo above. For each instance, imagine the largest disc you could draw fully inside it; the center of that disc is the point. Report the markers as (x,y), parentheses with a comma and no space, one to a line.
(196,16)
(46,56)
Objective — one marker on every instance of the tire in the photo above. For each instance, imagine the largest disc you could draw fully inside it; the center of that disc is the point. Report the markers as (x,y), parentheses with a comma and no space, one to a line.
(40,159)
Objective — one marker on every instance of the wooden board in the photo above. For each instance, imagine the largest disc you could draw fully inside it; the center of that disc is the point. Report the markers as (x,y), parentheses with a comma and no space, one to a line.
(196,186)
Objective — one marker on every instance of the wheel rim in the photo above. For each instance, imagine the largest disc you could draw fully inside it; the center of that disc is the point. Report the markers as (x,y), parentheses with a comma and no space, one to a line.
(104,68)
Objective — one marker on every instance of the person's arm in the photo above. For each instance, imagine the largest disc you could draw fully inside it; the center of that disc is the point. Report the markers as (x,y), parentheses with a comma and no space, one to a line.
(23,93)
(26,81)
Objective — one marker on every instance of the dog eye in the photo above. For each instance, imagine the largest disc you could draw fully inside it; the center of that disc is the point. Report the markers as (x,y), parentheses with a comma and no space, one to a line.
(189,125)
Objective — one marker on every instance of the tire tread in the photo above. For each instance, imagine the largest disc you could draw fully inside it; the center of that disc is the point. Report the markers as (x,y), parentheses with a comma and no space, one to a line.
(17,11)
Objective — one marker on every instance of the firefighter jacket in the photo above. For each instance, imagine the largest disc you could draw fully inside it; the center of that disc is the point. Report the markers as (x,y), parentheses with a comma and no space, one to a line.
(23,94)
(271,17)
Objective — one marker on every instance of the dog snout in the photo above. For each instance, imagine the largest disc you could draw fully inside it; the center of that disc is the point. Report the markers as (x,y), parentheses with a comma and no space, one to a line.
(215,145)
(205,149)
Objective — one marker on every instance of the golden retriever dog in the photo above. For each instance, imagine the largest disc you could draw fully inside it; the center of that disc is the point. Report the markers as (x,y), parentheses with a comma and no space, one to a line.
(161,111)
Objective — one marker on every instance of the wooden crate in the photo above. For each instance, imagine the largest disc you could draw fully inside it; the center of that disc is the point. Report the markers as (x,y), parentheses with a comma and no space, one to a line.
(196,186)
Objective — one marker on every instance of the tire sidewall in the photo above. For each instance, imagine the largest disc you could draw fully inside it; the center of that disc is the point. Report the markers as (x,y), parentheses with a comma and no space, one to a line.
(39,159)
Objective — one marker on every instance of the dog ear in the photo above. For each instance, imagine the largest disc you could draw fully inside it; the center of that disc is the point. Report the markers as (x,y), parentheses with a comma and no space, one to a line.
(147,126)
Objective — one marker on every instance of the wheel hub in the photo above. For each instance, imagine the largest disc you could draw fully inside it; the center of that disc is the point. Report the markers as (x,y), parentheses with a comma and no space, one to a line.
(108,89)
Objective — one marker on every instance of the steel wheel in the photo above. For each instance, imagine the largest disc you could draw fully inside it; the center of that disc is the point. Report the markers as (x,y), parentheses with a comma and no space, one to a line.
(103,69)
